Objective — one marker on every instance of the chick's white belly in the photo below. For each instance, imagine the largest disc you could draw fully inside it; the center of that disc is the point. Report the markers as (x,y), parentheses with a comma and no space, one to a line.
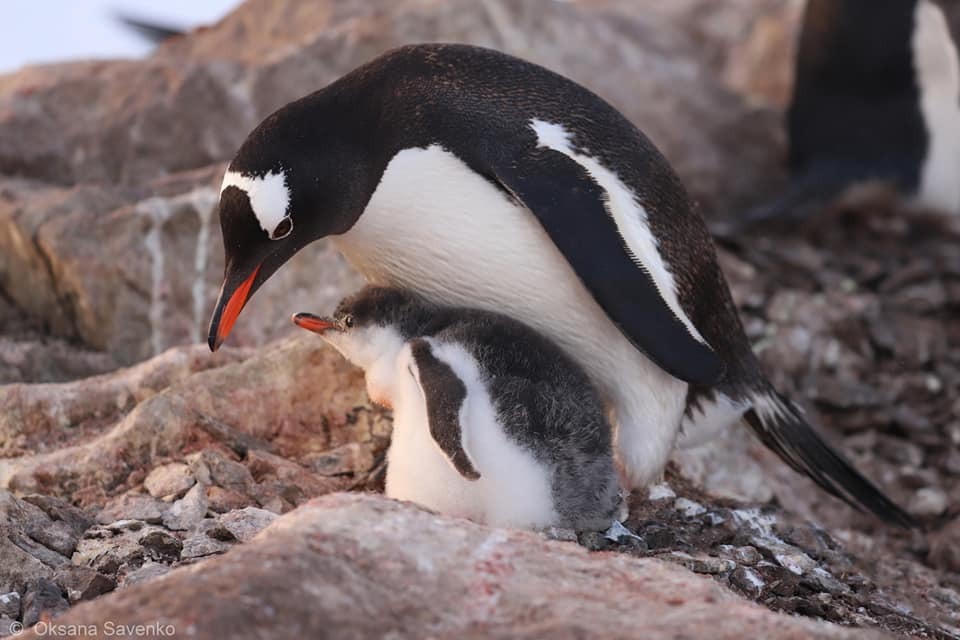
(513,490)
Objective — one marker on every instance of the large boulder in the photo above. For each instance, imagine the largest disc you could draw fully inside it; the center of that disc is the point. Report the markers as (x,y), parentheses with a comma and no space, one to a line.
(353,566)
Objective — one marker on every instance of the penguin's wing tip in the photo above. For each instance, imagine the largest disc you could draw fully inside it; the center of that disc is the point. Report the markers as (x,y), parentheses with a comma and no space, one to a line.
(782,428)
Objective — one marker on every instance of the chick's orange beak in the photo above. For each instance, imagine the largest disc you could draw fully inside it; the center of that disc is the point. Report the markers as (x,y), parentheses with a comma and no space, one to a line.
(313,323)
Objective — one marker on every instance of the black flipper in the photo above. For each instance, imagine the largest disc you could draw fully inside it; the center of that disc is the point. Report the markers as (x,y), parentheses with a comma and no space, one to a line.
(444,393)
(571,207)
(779,423)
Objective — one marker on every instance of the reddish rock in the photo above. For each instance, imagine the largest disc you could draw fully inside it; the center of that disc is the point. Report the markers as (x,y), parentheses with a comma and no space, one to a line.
(357,566)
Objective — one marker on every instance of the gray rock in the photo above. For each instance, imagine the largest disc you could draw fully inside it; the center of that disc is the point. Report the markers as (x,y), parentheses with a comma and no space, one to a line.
(10,605)
(133,506)
(147,572)
(43,598)
(160,546)
(18,568)
(747,555)
(201,545)
(83,583)
(211,467)
(169,481)
(188,511)
(10,627)
(244,524)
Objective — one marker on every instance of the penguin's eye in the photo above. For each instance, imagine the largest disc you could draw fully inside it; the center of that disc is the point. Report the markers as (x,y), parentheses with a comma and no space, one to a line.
(283,229)
(348,321)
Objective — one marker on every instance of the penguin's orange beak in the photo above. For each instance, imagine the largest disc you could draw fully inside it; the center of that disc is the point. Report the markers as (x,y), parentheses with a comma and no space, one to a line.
(226,313)
(313,323)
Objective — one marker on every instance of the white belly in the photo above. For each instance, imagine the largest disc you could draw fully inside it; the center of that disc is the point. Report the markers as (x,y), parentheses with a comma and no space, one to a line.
(514,490)
(463,242)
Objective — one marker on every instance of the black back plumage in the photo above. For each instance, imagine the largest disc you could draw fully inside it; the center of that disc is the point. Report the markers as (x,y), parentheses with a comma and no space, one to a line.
(478,104)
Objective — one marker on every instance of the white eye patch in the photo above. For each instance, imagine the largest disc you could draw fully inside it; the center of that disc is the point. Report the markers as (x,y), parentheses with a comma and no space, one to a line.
(269,198)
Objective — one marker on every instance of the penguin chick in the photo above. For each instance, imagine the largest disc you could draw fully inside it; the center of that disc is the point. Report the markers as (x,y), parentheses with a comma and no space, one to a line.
(492,421)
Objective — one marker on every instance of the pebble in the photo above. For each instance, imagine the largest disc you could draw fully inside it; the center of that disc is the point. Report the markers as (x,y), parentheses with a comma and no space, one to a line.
(700,564)
(244,524)
(660,491)
(148,571)
(747,581)
(747,555)
(169,481)
(161,546)
(10,604)
(188,511)
(928,502)
(133,506)
(200,545)
(689,508)
(43,598)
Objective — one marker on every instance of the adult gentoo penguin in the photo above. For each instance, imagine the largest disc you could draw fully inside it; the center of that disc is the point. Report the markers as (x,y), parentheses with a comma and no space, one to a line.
(876,98)
(477,179)
(491,420)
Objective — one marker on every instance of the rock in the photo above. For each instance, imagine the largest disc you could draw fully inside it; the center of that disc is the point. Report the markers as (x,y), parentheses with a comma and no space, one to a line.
(928,502)
(220,500)
(689,508)
(169,480)
(10,627)
(124,547)
(747,581)
(83,583)
(10,605)
(201,545)
(359,557)
(133,506)
(43,599)
(351,458)
(700,564)
(945,547)
(188,511)
(147,572)
(210,410)
(748,556)
(244,524)
(214,467)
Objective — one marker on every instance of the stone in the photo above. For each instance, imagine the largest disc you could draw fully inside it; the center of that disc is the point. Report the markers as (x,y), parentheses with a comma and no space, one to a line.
(188,511)
(376,567)
(747,555)
(700,564)
(10,605)
(928,502)
(945,547)
(283,413)
(43,599)
(160,546)
(133,506)
(10,627)
(244,524)
(220,500)
(213,467)
(149,571)
(83,583)
(351,458)
(169,480)
(201,545)
(747,581)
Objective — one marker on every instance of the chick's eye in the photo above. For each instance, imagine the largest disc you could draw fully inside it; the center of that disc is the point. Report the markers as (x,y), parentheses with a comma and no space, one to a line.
(283,229)
(348,321)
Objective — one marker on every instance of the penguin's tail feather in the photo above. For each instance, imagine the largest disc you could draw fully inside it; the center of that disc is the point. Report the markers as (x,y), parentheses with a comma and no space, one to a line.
(781,426)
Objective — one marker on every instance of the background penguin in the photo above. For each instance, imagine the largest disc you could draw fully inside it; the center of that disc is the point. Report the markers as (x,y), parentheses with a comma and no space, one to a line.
(876,98)
(480,180)
(492,421)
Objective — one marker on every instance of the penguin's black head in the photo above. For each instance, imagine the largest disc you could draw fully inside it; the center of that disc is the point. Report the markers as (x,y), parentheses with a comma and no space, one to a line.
(301,175)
